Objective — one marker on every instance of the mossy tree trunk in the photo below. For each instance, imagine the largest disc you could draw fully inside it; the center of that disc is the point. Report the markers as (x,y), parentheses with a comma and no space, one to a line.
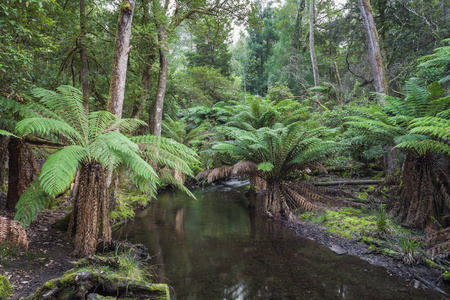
(91,212)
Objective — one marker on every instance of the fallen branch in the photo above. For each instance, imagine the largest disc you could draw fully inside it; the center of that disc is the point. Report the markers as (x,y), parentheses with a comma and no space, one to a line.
(348,182)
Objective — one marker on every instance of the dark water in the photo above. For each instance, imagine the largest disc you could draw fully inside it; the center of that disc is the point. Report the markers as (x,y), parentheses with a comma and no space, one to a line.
(213,248)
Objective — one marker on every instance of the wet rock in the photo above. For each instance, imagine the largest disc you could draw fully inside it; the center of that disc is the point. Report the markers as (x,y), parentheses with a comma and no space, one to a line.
(338,250)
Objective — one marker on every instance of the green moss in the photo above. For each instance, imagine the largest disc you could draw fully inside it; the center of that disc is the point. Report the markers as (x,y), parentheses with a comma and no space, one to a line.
(5,288)
(349,223)
(63,224)
(446,276)
(50,285)
(363,196)
(126,6)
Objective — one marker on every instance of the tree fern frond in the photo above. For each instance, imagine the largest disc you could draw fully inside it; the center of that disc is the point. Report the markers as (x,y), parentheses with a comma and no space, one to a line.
(99,121)
(6,133)
(30,204)
(67,104)
(48,128)
(126,125)
(165,176)
(425,147)
(59,169)
(436,127)
(144,184)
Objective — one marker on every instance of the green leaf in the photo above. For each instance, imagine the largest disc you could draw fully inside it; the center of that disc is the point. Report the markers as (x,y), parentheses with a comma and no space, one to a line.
(265,166)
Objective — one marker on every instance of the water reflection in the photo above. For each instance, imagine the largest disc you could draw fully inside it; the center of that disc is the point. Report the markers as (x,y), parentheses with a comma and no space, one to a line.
(213,248)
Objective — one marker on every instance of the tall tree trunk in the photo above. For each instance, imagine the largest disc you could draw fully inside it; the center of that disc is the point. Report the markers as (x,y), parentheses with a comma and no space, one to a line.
(146,88)
(121,51)
(373,47)
(311,44)
(296,40)
(162,83)
(17,179)
(84,59)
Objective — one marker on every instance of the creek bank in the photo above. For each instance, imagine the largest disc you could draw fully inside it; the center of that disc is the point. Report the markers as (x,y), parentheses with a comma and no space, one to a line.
(419,276)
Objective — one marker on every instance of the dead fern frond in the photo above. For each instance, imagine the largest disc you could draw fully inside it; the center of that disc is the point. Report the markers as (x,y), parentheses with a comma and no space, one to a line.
(439,243)
(220,173)
(203,174)
(301,201)
(12,233)
(244,168)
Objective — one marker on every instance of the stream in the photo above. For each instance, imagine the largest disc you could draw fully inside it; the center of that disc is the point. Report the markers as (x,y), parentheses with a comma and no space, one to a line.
(214,248)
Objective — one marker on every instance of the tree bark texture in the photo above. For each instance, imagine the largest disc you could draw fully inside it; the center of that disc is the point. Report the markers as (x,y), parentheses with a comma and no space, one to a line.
(296,40)
(162,83)
(92,210)
(311,44)
(121,51)
(376,61)
(84,58)
(18,178)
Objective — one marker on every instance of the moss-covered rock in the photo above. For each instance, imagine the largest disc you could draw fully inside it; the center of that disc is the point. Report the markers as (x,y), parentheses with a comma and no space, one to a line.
(5,288)
(63,224)
(80,283)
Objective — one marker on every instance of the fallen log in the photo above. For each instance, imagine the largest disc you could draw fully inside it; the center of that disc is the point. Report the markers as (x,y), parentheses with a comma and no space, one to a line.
(349,182)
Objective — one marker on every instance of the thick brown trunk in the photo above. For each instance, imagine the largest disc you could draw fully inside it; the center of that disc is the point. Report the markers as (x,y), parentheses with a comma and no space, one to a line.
(415,205)
(84,59)
(376,61)
(17,173)
(91,211)
(162,83)
(121,51)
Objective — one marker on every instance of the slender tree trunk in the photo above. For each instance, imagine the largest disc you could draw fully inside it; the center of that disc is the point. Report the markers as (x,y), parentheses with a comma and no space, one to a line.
(162,83)
(296,40)
(373,47)
(311,44)
(121,51)
(146,88)
(84,59)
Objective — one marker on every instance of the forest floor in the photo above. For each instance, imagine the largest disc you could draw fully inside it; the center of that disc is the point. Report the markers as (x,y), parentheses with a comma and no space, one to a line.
(48,255)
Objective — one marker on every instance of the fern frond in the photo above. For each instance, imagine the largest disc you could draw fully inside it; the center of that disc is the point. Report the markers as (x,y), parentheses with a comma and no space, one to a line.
(59,169)
(68,104)
(30,204)
(126,125)
(6,133)
(425,147)
(48,128)
(99,121)
(165,175)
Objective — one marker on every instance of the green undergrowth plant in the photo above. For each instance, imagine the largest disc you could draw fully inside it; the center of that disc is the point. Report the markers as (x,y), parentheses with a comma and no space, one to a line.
(409,247)
(126,203)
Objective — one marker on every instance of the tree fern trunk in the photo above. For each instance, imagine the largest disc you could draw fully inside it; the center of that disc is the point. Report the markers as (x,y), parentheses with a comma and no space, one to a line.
(17,173)
(273,207)
(91,211)
(415,205)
